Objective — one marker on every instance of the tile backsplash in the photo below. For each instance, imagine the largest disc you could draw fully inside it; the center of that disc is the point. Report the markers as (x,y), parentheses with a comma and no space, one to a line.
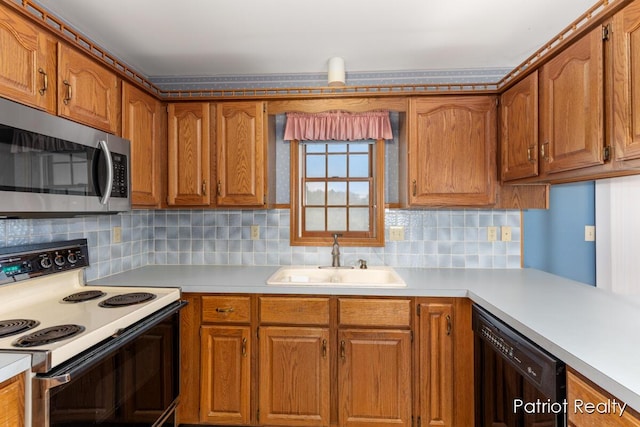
(433,238)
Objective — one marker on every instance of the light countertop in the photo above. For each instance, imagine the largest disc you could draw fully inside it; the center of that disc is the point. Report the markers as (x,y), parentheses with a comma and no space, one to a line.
(592,330)
(12,364)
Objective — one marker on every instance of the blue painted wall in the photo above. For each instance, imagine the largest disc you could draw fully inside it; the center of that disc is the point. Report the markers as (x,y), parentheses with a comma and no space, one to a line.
(554,239)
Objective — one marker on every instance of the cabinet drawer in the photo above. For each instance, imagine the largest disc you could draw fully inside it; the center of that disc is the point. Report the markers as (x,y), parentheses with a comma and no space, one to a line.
(294,310)
(374,312)
(226,309)
(580,391)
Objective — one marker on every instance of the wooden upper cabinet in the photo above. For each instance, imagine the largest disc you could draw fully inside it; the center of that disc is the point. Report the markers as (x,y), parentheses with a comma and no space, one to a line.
(452,151)
(571,106)
(626,82)
(28,66)
(141,125)
(519,130)
(188,157)
(241,154)
(87,92)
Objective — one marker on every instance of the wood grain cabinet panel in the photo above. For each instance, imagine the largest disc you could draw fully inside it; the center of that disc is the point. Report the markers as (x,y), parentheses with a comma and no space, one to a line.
(625,39)
(519,129)
(87,92)
(12,402)
(241,154)
(225,382)
(28,66)
(294,376)
(580,389)
(374,377)
(226,309)
(452,151)
(294,310)
(445,362)
(571,106)
(141,125)
(188,157)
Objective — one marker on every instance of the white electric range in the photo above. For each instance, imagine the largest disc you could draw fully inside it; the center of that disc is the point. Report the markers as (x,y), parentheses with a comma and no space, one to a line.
(71,329)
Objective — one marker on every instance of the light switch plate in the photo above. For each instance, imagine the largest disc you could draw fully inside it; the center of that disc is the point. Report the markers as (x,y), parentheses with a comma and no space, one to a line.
(492,234)
(116,235)
(589,233)
(396,233)
(506,234)
(255,232)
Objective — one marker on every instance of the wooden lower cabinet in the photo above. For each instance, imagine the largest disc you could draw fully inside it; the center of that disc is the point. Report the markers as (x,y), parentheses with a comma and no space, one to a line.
(579,389)
(12,402)
(374,377)
(225,382)
(294,376)
(445,362)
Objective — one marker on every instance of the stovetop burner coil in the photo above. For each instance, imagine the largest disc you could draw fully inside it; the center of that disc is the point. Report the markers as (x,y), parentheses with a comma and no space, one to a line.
(83,296)
(124,300)
(48,335)
(16,326)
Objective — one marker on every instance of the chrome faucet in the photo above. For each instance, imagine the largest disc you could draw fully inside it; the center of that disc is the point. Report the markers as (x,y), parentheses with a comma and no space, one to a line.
(335,252)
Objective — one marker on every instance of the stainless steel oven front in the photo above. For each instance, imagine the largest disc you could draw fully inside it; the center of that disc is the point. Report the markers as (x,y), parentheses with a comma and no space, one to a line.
(131,379)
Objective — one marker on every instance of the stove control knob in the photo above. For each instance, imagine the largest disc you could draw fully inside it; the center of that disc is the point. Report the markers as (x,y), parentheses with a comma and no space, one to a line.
(45,262)
(72,258)
(59,260)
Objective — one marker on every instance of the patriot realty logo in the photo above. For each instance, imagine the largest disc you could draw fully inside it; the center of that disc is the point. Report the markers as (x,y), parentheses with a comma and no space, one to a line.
(578,406)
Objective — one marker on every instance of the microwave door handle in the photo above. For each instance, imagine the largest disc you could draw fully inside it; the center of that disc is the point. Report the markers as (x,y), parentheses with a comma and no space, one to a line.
(109,183)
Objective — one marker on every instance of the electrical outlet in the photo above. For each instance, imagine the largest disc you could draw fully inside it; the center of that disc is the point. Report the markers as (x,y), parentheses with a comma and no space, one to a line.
(506,234)
(589,233)
(116,235)
(492,234)
(396,233)
(255,232)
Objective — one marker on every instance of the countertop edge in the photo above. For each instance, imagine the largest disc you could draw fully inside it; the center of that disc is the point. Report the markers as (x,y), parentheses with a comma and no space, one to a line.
(12,364)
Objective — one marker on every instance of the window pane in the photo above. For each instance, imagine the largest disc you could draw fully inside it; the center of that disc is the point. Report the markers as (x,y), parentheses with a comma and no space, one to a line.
(358,148)
(358,219)
(314,193)
(315,166)
(315,147)
(337,148)
(337,166)
(359,193)
(337,193)
(314,219)
(359,165)
(336,219)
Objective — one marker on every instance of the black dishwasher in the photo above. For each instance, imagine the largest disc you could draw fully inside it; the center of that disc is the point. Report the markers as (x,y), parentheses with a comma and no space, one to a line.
(517,383)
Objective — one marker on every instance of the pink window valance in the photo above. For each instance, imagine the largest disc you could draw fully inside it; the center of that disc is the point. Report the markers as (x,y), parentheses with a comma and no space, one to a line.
(338,126)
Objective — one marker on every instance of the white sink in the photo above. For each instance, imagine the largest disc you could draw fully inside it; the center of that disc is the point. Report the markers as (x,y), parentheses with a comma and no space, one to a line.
(373,277)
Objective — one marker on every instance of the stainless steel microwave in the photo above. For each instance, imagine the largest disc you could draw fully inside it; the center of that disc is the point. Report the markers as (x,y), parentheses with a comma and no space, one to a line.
(50,166)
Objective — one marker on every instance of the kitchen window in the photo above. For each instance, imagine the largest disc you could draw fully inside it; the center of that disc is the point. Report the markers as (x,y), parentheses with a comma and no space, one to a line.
(337,187)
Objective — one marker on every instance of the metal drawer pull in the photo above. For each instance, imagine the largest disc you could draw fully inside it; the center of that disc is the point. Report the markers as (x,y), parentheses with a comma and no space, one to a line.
(415,188)
(244,347)
(45,81)
(342,350)
(530,154)
(224,310)
(324,348)
(219,188)
(69,92)
(204,186)
(448,324)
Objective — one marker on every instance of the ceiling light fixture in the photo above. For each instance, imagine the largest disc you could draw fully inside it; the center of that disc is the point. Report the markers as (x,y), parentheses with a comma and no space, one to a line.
(336,71)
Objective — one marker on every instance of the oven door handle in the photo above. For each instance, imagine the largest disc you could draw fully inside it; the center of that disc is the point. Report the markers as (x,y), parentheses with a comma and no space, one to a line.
(47,383)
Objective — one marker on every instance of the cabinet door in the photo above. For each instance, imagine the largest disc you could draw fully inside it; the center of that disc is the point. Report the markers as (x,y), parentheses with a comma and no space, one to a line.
(225,383)
(452,151)
(27,69)
(374,377)
(571,106)
(88,92)
(626,86)
(141,125)
(294,376)
(12,402)
(241,149)
(188,155)
(519,130)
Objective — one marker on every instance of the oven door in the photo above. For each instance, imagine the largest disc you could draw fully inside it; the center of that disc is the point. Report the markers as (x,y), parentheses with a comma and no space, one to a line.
(131,380)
